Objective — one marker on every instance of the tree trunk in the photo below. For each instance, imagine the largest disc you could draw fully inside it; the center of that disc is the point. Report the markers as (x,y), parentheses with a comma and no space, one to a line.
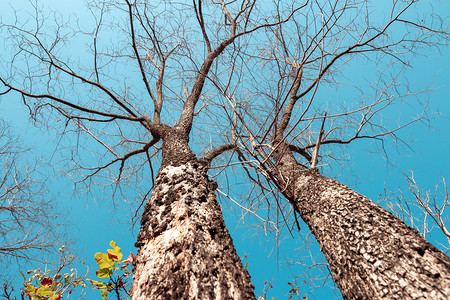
(185,250)
(371,253)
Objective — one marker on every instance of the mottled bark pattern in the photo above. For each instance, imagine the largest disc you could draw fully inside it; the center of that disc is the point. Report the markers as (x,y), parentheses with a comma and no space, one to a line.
(175,150)
(372,254)
(185,251)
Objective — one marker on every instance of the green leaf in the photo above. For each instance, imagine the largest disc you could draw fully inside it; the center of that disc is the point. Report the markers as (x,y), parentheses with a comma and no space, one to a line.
(104,273)
(103,260)
(44,291)
(31,289)
(115,253)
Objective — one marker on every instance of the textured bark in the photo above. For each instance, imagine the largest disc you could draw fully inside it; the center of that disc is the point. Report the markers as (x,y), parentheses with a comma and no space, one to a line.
(175,150)
(185,251)
(372,254)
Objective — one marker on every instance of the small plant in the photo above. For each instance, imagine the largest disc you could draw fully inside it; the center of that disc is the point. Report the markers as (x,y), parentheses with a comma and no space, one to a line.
(42,285)
(117,271)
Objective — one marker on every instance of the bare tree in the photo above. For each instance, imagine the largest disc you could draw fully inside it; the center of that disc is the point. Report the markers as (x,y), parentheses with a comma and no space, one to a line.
(240,77)
(291,133)
(185,251)
(29,227)
(424,210)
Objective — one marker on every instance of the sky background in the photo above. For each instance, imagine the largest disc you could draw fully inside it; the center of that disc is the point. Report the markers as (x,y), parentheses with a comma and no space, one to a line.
(95,223)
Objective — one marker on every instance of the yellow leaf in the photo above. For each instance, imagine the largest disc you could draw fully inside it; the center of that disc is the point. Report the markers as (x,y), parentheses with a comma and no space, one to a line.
(115,253)
(104,294)
(104,261)
(103,273)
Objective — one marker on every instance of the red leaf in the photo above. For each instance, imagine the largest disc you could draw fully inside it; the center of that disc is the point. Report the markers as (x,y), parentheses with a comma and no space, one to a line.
(47,281)
(113,256)
(129,259)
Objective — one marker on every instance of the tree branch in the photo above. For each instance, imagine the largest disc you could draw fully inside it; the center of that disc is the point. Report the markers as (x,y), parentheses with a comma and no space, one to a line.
(211,154)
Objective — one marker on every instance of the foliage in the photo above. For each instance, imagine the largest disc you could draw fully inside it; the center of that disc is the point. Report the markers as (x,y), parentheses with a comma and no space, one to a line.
(111,266)
(43,286)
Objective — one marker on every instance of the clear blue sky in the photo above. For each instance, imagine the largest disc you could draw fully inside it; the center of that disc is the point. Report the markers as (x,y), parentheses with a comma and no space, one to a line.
(95,222)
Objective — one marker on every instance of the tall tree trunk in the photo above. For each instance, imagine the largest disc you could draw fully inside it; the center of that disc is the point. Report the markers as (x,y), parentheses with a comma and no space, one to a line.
(371,253)
(185,250)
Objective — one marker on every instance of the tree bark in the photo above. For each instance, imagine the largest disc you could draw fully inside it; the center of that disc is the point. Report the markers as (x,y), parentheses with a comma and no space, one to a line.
(185,250)
(371,253)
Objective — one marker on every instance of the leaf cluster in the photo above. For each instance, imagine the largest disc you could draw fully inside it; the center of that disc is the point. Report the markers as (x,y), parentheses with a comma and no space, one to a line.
(42,285)
(111,267)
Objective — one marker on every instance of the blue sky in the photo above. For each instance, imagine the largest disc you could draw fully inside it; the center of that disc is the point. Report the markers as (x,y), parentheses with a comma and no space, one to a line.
(95,223)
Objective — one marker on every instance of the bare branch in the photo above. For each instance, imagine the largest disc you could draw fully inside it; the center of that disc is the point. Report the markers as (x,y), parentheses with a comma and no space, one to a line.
(211,154)
(315,154)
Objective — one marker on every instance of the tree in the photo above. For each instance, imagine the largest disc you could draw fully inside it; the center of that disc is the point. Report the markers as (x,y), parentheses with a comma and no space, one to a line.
(28,219)
(185,64)
(371,253)
(30,230)
(182,229)
(431,208)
